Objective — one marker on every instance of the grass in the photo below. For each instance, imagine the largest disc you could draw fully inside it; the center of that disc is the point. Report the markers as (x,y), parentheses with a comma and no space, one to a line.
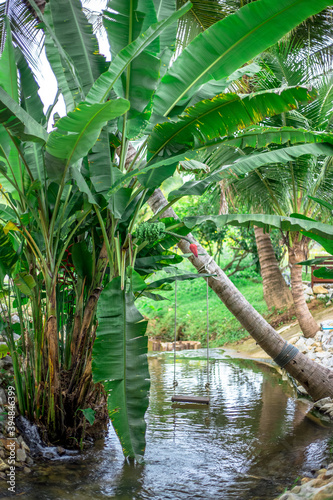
(191,312)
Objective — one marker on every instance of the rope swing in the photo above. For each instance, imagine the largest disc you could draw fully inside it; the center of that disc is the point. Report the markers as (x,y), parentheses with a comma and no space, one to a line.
(175,383)
(182,398)
(207,386)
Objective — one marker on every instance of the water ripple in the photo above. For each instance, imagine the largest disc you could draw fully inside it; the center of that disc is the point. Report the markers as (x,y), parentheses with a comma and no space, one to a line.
(251,441)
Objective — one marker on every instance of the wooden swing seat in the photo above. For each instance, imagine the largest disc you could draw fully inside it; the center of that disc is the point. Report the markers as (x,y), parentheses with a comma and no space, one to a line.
(181,398)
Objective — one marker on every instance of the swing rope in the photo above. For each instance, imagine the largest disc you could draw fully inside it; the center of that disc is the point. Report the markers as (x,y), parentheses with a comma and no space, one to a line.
(175,383)
(207,386)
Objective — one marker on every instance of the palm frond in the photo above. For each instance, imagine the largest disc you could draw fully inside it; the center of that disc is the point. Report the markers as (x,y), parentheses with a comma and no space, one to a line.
(319,112)
(202,15)
(25,32)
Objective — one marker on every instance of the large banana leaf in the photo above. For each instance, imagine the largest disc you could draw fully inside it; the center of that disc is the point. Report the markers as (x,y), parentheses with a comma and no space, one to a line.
(18,122)
(9,87)
(221,116)
(8,71)
(249,163)
(261,137)
(321,233)
(104,173)
(295,223)
(31,102)
(101,169)
(144,77)
(15,119)
(11,170)
(82,185)
(105,82)
(120,363)
(8,256)
(78,131)
(167,39)
(75,34)
(214,87)
(124,24)
(65,80)
(125,20)
(229,44)
(325,241)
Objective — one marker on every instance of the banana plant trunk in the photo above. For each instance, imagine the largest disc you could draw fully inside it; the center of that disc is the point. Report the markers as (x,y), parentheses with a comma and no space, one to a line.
(84,333)
(297,253)
(316,379)
(55,413)
(276,291)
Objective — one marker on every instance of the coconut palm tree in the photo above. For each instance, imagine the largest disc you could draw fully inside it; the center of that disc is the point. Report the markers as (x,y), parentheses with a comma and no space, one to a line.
(313,36)
(286,189)
(276,291)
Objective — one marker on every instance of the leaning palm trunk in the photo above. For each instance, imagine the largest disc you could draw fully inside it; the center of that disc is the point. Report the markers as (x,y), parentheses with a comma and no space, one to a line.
(276,291)
(306,321)
(316,379)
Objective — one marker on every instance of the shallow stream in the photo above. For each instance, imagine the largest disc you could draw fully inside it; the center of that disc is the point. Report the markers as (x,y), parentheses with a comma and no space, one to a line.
(252,441)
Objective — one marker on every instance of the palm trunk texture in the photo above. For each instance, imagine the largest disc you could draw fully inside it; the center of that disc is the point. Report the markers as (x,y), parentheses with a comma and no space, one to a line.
(276,291)
(316,379)
(306,321)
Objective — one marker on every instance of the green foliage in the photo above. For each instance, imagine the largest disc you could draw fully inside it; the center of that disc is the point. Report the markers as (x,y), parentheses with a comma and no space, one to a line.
(89,414)
(83,261)
(324,273)
(227,45)
(245,165)
(191,325)
(202,122)
(75,35)
(25,283)
(77,132)
(296,223)
(74,195)
(18,122)
(120,362)
(107,81)
(8,256)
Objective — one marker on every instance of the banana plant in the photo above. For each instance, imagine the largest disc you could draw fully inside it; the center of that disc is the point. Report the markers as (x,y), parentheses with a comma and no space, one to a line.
(75,193)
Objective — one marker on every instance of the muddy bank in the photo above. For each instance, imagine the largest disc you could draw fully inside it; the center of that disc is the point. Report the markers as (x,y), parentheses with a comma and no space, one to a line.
(248,348)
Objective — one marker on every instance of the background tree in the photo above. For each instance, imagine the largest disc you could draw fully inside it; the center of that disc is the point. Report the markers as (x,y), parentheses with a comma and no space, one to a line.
(276,290)
(286,190)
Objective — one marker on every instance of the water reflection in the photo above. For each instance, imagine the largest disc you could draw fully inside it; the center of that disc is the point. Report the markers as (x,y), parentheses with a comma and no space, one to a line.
(251,441)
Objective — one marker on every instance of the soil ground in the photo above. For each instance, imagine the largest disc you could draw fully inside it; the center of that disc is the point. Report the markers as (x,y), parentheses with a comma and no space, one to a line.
(288,328)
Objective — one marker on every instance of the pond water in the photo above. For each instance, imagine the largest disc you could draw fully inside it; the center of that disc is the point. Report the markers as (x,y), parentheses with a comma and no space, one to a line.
(250,443)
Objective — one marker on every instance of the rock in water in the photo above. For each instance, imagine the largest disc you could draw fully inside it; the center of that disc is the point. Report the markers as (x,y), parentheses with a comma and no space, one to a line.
(319,289)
